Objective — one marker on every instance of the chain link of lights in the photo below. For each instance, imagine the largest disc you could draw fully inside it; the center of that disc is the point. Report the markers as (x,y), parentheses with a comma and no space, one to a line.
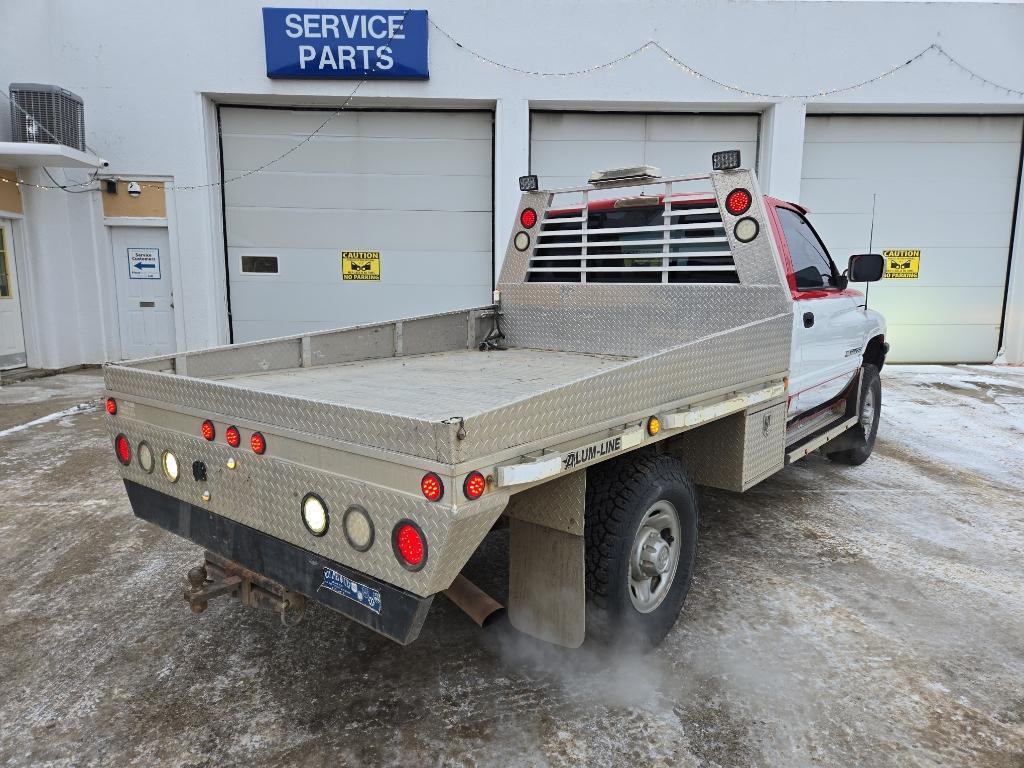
(649,45)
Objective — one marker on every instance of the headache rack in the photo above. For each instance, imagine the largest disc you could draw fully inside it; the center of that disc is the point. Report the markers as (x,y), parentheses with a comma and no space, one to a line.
(668,237)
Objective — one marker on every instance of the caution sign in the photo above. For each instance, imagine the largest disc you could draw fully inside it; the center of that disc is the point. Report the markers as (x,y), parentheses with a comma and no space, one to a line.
(905,263)
(360,265)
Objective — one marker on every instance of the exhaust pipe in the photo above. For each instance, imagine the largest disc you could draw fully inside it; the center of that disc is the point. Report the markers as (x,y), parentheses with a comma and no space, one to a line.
(477,604)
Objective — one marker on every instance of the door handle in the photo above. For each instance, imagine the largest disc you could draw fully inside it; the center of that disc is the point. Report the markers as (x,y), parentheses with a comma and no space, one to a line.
(808,319)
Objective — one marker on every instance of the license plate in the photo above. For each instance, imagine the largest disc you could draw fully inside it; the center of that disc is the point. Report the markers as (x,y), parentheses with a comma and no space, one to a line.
(353,590)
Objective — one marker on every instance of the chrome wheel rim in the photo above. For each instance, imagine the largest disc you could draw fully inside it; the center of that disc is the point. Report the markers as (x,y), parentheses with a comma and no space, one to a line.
(654,556)
(867,412)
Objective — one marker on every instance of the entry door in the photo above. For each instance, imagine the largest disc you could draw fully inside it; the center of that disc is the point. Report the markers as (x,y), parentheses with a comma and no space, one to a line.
(145,303)
(12,336)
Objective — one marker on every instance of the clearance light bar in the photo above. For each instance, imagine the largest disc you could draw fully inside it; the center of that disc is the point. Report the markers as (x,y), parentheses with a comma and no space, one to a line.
(638,172)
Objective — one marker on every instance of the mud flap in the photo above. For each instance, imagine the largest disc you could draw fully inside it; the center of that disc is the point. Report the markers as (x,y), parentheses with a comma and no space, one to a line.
(547,577)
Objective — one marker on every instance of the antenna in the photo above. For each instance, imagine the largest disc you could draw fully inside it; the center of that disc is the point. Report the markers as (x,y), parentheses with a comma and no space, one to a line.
(871,243)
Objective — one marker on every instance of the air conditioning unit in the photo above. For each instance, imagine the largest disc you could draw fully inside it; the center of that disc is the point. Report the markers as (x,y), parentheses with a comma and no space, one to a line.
(47,114)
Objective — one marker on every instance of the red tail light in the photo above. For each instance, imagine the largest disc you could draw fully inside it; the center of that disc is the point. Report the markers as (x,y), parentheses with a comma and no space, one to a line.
(209,431)
(111,406)
(123,450)
(738,201)
(474,485)
(409,544)
(232,437)
(432,487)
(528,218)
(257,443)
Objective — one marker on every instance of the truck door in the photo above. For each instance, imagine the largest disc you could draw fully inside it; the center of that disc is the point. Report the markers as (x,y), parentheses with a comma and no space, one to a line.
(827,321)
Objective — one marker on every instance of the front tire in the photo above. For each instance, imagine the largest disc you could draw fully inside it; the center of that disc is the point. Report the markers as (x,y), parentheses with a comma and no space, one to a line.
(641,544)
(861,437)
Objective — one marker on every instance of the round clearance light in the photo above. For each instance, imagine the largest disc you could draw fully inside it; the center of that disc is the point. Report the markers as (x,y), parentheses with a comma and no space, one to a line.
(170,465)
(432,487)
(314,514)
(358,528)
(474,485)
(409,544)
(738,201)
(111,406)
(522,241)
(145,454)
(123,450)
(528,218)
(232,436)
(257,443)
(653,426)
(746,229)
(209,431)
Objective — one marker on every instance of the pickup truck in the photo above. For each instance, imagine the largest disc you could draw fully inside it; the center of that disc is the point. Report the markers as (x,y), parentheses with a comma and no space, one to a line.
(647,335)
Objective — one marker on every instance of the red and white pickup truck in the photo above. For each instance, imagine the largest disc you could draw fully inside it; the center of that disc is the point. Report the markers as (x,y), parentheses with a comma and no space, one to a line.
(645,337)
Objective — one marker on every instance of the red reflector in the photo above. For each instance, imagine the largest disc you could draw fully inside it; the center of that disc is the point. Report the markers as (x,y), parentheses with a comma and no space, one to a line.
(111,406)
(209,432)
(474,485)
(257,443)
(233,438)
(410,545)
(528,218)
(738,201)
(432,487)
(123,449)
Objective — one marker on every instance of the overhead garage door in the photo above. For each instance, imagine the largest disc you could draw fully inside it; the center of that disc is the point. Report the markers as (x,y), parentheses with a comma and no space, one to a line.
(566,147)
(942,185)
(413,186)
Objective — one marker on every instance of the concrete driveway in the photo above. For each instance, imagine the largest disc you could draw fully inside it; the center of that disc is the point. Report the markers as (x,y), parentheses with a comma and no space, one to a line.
(839,616)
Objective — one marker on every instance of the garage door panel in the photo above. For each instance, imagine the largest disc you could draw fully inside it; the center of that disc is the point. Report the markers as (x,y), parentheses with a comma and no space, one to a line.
(562,158)
(910,130)
(354,192)
(895,230)
(938,161)
(943,343)
(357,230)
(678,158)
(569,126)
(908,197)
(721,129)
(364,156)
(301,123)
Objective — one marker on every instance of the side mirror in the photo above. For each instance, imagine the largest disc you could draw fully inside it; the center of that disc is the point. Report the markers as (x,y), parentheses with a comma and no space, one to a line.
(866,267)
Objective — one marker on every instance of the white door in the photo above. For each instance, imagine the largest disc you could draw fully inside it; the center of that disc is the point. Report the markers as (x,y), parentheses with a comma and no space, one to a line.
(12,335)
(943,185)
(145,302)
(566,147)
(414,187)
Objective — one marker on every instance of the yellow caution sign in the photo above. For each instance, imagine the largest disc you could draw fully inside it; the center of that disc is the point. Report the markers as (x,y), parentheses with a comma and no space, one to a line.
(902,263)
(360,265)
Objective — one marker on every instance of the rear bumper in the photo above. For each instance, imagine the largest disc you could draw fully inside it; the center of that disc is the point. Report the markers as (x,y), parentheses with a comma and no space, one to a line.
(401,613)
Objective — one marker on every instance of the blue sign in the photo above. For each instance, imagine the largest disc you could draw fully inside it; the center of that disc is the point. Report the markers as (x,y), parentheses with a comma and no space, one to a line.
(308,42)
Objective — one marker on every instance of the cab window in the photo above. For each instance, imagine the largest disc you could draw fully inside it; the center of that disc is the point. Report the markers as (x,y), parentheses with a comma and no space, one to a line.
(812,266)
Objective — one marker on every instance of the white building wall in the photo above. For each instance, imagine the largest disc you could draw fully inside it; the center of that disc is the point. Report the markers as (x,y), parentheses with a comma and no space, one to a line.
(149,73)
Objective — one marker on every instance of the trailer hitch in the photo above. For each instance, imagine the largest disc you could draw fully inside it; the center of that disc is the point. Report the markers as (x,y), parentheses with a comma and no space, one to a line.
(217,576)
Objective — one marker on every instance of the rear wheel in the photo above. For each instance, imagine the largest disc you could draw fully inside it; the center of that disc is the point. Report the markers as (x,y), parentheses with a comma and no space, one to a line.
(641,537)
(861,437)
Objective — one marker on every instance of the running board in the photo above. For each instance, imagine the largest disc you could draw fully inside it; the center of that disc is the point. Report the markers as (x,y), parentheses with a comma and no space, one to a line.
(802,449)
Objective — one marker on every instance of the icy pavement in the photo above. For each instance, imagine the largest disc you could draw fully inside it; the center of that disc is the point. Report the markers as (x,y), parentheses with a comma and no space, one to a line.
(839,616)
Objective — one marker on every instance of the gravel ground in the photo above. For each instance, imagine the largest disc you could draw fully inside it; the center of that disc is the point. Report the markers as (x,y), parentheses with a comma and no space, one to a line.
(839,616)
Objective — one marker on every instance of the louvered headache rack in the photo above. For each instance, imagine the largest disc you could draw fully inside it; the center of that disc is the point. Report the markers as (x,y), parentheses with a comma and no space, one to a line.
(670,237)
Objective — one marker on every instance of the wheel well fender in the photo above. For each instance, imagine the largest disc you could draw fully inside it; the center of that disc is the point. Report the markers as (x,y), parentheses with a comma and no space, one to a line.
(875,351)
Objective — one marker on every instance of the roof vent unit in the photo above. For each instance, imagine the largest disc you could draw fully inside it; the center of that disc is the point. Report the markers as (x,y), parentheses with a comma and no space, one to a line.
(47,114)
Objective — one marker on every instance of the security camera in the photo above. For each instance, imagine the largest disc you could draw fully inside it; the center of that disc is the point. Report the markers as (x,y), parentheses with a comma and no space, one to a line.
(134,190)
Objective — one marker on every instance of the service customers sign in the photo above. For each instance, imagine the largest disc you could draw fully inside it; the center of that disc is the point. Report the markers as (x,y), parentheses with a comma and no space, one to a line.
(340,43)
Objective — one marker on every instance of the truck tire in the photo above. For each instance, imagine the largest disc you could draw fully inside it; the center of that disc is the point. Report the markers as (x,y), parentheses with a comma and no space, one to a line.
(861,438)
(641,544)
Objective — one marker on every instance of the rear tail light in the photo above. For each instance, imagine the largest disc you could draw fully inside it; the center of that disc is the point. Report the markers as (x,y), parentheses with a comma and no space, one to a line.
(257,443)
(432,487)
(474,485)
(746,229)
(521,241)
(738,201)
(410,545)
(528,218)
(233,438)
(169,462)
(315,516)
(123,450)
(209,431)
(111,406)
(145,456)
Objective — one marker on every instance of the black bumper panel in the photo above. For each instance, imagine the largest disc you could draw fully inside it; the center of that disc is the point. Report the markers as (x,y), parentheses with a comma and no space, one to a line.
(402,613)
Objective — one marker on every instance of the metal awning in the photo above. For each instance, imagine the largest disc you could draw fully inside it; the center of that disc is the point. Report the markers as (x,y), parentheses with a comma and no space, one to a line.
(19,154)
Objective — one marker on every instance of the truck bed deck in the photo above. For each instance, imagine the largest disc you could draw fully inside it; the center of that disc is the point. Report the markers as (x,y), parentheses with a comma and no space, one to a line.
(432,386)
